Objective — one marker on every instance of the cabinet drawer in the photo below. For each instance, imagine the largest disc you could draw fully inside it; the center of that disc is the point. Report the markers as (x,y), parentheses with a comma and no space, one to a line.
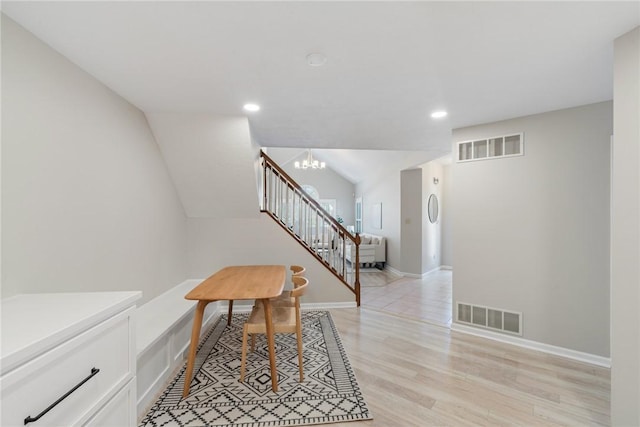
(119,411)
(31,388)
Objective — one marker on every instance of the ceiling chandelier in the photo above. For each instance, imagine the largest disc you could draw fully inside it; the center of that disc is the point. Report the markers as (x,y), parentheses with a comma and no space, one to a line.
(309,162)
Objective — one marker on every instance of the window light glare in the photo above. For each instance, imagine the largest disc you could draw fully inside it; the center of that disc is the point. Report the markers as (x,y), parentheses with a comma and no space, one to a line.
(251,107)
(438,114)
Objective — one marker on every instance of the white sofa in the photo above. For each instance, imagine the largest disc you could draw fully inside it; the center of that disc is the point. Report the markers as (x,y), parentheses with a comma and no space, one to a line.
(373,250)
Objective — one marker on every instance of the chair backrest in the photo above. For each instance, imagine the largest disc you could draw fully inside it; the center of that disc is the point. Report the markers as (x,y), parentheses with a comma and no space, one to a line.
(300,286)
(297,270)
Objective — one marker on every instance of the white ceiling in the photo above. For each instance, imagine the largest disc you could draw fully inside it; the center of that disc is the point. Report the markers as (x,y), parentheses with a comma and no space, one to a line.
(389,64)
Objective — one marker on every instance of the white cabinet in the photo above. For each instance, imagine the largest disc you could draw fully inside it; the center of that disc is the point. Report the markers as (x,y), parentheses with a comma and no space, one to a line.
(119,411)
(68,359)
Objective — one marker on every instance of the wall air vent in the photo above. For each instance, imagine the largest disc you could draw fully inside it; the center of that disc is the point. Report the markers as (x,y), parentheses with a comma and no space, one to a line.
(489,318)
(491,148)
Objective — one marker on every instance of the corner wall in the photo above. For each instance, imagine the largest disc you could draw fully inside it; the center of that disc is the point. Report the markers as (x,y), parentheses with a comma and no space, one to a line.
(412,222)
(87,201)
(625,233)
(446,208)
(421,240)
(531,233)
(211,159)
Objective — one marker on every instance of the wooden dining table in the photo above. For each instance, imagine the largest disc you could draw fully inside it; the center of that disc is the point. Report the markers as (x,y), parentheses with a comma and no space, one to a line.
(242,282)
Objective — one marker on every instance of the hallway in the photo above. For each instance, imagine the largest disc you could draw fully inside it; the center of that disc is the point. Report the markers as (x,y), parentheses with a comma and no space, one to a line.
(427,299)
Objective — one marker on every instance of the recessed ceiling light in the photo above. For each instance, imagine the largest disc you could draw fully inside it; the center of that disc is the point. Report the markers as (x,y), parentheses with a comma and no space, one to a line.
(251,107)
(438,114)
(316,59)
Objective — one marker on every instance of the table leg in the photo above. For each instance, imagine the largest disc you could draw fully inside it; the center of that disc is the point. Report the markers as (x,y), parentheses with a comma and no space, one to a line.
(230,312)
(193,347)
(271,343)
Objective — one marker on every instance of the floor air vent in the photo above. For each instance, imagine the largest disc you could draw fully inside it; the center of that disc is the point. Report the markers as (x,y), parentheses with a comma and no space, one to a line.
(490,318)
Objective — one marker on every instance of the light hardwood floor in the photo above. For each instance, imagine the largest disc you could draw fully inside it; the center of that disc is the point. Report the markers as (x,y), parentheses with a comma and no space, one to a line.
(415,373)
(427,299)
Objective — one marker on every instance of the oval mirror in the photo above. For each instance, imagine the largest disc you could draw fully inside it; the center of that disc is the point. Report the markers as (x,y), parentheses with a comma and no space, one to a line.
(432,208)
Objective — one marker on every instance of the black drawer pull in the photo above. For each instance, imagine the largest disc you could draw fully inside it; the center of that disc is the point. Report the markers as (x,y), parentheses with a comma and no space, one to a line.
(30,419)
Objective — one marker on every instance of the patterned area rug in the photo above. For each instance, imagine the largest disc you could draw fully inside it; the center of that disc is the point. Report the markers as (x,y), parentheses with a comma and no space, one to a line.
(329,393)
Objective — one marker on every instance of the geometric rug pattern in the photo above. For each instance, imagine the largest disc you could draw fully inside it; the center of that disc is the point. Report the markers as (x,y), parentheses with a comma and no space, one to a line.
(328,394)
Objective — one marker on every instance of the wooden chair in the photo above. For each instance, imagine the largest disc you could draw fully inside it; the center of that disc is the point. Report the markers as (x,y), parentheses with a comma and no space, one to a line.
(284,298)
(285,320)
(297,270)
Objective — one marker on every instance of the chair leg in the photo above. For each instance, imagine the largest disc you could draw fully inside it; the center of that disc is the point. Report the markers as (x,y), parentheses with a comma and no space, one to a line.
(253,342)
(300,350)
(243,363)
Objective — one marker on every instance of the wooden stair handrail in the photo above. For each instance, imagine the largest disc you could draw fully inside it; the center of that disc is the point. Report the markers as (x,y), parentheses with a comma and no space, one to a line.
(342,233)
(297,186)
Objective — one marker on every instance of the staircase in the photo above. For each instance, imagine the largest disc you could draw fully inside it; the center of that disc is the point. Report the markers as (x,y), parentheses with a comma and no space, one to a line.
(308,223)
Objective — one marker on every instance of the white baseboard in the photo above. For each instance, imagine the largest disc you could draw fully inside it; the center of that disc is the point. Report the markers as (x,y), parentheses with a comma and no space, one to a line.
(246,308)
(433,270)
(328,305)
(414,275)
(394,271)
(534,345)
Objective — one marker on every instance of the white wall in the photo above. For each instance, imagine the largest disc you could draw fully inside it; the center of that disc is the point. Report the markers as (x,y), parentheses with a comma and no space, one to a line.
(412,241)
(412,223)
(385,189)
(531,233)
(211,161)
(330,185)
(421,240)
(446,210)
(431,232)
(87,201)
(216,243)
(625,233)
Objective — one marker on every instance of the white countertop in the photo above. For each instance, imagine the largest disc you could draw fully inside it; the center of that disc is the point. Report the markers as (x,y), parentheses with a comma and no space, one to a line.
(34,323)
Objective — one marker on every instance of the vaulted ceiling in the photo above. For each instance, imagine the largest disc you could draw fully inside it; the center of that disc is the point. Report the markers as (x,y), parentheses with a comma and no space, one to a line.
(388,64)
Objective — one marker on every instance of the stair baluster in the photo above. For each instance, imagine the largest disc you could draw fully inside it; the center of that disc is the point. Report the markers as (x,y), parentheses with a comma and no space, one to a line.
(307,222)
